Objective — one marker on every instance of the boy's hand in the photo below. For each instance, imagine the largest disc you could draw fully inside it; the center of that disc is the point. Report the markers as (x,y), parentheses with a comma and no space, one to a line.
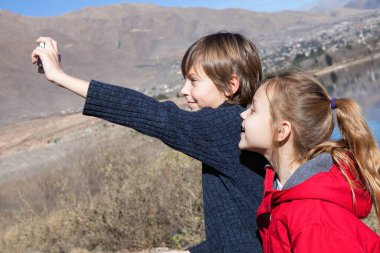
(50,58)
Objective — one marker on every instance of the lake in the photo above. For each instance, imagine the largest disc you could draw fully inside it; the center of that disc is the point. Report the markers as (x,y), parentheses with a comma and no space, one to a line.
(362,83)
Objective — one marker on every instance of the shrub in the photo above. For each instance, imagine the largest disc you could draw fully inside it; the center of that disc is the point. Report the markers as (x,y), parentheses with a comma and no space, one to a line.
(109,202)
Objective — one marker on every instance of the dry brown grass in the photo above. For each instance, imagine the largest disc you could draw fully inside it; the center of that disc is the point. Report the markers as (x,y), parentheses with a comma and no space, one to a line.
(107,202)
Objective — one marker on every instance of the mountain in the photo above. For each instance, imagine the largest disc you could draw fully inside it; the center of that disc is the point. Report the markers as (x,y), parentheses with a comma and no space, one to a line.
(325,5)
(363,4)
(132,45)
(330,5)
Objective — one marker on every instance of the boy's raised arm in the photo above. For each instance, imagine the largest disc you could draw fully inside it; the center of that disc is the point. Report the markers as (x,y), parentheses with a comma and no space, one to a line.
(49,56)
(203,135)
(74,84)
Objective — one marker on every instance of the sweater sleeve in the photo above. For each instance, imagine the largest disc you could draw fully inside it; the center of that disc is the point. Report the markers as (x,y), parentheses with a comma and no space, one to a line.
(209,135)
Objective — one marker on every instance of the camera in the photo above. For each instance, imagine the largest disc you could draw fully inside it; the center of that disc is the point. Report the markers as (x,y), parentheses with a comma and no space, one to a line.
(39,62)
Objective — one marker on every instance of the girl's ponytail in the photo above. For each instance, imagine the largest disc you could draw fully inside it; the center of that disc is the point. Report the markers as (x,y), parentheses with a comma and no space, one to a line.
(359,141)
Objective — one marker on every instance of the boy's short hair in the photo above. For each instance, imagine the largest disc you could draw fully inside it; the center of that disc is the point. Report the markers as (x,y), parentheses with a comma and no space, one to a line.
(222,55)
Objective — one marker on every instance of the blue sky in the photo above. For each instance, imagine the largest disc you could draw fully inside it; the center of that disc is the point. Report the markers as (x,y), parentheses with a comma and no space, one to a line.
(57,7)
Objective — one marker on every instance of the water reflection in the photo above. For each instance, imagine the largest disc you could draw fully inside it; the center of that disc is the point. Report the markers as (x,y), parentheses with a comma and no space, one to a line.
(375,128)
(362,83)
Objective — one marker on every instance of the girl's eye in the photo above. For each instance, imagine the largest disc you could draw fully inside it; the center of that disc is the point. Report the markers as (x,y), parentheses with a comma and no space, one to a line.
(252,109)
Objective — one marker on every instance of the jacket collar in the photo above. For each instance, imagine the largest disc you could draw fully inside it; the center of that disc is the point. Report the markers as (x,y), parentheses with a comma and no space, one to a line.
(316,181)
(320,163)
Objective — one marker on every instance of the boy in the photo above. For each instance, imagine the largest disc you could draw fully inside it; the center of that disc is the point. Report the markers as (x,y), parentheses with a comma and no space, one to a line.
(222,72)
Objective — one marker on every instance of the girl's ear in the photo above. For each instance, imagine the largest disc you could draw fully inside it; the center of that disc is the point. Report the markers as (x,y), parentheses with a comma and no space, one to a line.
(234,84)
(284,131)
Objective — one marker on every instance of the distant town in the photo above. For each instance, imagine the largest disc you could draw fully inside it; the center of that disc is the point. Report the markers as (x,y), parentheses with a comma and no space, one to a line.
(312,49)
(359,34)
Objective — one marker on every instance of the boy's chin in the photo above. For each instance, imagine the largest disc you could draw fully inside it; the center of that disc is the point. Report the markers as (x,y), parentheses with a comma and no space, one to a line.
(194,108)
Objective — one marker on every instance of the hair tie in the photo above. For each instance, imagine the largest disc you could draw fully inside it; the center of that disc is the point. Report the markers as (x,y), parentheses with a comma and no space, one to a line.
(333,105)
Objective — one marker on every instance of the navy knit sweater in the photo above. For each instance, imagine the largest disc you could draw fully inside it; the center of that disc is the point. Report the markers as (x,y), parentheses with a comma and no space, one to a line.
(232,180)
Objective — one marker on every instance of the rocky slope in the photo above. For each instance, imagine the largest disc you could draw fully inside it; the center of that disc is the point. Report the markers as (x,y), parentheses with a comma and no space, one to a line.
(132,45)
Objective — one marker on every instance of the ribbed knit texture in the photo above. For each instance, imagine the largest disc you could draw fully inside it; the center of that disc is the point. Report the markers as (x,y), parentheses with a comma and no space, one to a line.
(232,191)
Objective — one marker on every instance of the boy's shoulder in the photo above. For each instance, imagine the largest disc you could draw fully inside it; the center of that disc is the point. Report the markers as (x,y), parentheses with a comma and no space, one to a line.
(224,115)
(224,109)
(231,107)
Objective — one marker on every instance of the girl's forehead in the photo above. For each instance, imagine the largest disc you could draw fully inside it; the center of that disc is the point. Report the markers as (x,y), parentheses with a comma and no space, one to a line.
(262,94)
(261,90)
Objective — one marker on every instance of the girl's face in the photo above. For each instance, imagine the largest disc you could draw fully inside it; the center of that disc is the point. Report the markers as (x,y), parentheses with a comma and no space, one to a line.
(200,91)
(256,134)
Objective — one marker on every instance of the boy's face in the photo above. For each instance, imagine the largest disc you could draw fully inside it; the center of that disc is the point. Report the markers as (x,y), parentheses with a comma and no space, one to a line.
(200,91)
(256,134)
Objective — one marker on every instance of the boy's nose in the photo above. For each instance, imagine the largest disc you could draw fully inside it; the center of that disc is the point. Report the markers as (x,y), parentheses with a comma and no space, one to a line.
(185,89)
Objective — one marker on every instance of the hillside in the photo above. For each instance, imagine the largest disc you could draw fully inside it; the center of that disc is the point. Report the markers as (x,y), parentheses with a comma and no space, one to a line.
(131,45)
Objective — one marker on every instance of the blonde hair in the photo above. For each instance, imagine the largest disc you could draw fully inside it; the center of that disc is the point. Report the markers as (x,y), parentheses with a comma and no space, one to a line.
(222,55)
(302,100)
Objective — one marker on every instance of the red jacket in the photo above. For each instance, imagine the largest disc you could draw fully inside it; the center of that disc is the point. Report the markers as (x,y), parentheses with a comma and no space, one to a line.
(316,215)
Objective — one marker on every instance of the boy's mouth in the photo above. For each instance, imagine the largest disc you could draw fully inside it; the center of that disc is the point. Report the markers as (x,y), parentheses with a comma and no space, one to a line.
(190,101)
(242,129)
(191,104)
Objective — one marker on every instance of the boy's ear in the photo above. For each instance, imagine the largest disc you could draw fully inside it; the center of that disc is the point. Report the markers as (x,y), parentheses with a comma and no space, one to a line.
(284,131)
(235,84)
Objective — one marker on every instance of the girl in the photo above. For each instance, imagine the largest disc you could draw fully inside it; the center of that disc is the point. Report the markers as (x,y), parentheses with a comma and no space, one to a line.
(316,189)
(221,72)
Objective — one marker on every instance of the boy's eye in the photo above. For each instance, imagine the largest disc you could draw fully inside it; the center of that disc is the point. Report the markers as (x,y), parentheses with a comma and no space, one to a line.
(193,81)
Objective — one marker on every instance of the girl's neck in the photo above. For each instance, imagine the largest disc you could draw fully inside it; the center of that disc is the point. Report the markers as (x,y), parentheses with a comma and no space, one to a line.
(286,164)
(285,170)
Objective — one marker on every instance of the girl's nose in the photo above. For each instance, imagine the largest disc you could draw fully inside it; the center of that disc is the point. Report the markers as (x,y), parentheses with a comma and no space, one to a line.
(243,115)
